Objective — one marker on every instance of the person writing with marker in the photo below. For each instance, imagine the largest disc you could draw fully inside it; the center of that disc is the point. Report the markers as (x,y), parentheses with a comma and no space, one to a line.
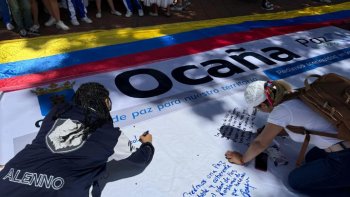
(325,171)
(69,154)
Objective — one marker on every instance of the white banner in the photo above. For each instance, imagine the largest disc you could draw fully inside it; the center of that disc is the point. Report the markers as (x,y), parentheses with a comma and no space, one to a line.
(186,103)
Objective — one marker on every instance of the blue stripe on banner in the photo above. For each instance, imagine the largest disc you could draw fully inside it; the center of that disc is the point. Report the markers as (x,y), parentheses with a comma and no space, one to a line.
(308,64)
(12,69)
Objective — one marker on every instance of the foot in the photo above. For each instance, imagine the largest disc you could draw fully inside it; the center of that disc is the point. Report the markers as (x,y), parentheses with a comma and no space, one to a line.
(23,33)
(141,12)
(187,3)
(128,14)
(266,5)
(116,13)
(177,8)
(50,22)
(34,30)
(75,22)
(35,27)
(9,26)
(61,25)
(153,14)
(86,20)
(98,15)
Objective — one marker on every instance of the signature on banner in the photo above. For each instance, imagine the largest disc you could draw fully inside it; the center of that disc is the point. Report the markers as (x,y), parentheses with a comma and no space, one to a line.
(238,126)
(222,180)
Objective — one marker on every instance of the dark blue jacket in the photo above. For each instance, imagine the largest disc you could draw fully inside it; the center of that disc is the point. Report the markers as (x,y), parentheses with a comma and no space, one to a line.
(50,167)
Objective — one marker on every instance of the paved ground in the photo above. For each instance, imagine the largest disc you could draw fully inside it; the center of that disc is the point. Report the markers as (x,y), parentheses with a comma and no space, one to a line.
(198,10)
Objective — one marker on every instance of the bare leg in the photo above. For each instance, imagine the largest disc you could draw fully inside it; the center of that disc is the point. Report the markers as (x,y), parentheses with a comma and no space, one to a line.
(53,9)
(168,11)
(111,5)
(155,8)
(35,12)
(98,5)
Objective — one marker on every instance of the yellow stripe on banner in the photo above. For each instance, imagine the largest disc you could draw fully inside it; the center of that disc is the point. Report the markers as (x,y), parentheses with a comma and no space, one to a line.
(24,49)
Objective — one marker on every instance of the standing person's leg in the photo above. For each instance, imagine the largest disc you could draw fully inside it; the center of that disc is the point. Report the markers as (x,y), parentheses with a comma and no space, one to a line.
(168,14)
(128,6)
(4,8)
(326,176)
(155,7)
(113,10)
(26,13)
(35,13)
(98,7)
(82,11)
(17,16)
(139,7)
(71,5)
(52,7)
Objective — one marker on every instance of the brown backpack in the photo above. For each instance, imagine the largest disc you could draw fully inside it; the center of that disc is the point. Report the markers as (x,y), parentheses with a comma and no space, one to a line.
(329,95)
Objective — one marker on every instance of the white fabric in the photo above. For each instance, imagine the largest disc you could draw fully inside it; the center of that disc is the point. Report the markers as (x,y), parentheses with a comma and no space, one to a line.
(297,113)
(123,149)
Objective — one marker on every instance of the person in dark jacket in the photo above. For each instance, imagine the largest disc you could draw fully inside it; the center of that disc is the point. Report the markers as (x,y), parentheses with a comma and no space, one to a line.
(71,149)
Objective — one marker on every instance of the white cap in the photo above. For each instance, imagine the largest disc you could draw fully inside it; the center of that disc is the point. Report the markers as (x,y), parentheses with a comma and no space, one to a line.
(254,95)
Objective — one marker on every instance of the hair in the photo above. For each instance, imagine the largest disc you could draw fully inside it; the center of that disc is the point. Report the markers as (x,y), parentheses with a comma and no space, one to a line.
(91,97)
(279,90)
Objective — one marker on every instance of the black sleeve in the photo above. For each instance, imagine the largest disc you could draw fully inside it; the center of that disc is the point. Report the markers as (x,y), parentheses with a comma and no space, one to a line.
(143,155)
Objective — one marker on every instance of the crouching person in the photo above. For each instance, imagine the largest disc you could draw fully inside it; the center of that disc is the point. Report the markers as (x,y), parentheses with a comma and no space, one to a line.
(70,152)
(325,171)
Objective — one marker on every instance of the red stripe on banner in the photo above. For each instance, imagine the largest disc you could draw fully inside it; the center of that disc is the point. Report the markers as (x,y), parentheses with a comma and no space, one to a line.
(188,48)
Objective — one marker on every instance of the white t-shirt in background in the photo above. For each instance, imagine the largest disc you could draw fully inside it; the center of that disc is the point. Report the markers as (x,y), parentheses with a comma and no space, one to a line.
(295,112)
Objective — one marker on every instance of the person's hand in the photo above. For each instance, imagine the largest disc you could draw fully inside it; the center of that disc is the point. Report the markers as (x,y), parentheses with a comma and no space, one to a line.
(234,157)
(146,138)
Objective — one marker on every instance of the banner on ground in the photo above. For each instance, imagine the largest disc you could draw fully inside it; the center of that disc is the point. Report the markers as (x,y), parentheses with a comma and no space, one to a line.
(194,107)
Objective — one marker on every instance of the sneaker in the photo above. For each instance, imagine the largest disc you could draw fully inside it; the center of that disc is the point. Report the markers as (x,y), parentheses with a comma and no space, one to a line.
(187,3)
(98,15)
(128,14)
(35,27)
(141,12)
(266,5)
(177,8)
(34,30)
(61,25)
(23,33)
(116,13)
(86,20)
(9,26)
(75,22)
(153,14)
(50,22)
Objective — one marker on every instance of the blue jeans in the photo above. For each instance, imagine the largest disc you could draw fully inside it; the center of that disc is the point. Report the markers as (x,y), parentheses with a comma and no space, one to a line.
(323,174)
(22,13)
(4,8)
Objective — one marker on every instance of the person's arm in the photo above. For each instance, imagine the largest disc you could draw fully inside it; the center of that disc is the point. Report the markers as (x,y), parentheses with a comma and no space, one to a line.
(259,144)
(145,153)
(125,150)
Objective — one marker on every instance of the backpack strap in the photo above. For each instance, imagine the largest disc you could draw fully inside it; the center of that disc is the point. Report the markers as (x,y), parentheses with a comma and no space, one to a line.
(306,132)
(303,150)
(303,131)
